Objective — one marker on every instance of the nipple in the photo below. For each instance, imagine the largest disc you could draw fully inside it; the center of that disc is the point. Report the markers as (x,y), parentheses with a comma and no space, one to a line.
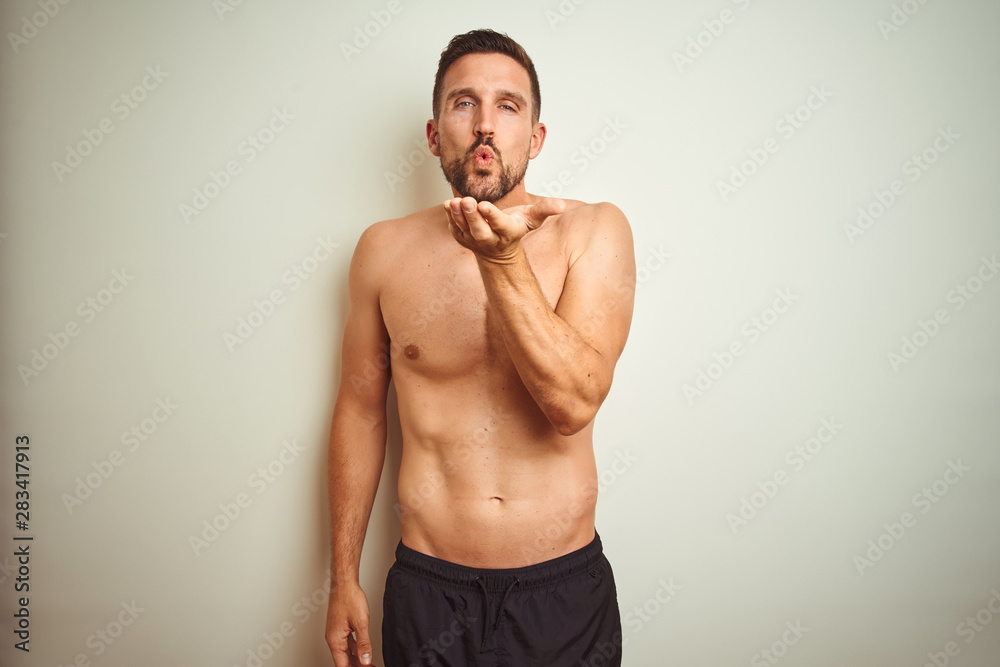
(411,351)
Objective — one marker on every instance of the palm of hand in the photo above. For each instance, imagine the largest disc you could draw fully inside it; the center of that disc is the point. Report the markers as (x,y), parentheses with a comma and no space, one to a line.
(492,233)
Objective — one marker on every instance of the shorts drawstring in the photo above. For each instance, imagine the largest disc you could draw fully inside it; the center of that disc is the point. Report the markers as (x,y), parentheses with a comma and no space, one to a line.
(503,603)
(486,608)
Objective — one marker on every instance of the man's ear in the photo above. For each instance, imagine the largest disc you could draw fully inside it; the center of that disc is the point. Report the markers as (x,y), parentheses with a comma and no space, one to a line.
(537,140)
(432,138)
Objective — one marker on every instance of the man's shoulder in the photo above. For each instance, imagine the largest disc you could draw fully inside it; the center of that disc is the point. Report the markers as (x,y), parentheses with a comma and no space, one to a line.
(384,238)
(408,224)
(588,226)
(584,219)
(598,212)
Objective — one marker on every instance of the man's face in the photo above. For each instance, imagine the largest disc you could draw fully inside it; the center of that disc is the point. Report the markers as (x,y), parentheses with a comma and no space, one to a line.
(484,134)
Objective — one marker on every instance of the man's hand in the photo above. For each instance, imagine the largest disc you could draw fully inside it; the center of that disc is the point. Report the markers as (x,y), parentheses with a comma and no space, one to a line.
(492,234)
(347,614)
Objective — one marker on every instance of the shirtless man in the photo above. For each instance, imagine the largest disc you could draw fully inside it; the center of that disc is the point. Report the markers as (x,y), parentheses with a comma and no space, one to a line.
(500,316)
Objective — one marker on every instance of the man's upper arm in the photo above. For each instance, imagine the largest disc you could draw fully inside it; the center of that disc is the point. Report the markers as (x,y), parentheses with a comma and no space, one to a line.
(599,291)
(364,379)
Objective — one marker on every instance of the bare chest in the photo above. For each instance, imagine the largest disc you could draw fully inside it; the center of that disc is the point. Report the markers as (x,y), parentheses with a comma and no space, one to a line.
(437,313)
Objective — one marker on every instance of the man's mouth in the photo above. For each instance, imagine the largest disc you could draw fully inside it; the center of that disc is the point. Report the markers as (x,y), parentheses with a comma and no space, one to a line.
(484,156)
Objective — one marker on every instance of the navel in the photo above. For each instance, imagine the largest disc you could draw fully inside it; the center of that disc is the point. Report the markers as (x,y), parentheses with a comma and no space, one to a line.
(411,351)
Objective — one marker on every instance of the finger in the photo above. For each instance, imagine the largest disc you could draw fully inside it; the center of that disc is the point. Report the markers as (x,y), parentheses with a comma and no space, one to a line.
(491,214)
(341,658)
(453,228)
(448,212)
(352,651)
(477,226)
(548,206)
(505,225)
(457,234)
(457,217)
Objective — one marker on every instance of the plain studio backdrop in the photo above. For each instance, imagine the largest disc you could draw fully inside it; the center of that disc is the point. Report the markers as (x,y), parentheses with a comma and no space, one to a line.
(798,458)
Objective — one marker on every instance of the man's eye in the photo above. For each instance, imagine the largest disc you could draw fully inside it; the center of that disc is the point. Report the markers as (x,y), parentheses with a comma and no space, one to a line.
(508,107)
(465,102)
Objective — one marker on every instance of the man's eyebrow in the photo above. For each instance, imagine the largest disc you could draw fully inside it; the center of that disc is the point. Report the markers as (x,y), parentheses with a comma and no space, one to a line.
(515,96)
(508,94)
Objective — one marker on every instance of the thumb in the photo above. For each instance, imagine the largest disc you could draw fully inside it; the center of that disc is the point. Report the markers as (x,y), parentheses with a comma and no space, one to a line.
(543,209)
(364,646)
(489,211)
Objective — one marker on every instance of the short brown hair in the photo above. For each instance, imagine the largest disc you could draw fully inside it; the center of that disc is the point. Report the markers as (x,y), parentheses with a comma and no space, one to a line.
(486,41)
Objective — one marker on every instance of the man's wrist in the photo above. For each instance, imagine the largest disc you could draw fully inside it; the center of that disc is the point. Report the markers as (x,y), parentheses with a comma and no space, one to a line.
(344,575)
(344,580)
(513,255)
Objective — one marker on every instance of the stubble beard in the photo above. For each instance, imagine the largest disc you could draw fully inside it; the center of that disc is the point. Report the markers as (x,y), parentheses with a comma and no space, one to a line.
(492,184)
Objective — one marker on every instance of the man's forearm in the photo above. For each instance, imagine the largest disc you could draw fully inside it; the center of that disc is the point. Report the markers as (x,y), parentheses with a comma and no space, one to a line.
(354,466)
(563,373)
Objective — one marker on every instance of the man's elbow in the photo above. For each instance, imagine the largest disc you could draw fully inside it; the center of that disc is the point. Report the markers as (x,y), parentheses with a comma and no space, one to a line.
(571,428)
(573,409)
(573,419)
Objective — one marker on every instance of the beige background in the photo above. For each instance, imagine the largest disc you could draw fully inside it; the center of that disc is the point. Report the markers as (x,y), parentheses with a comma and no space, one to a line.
(676,466)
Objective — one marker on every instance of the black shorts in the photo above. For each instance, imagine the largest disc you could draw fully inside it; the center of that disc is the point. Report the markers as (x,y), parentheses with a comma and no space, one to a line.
(562,612)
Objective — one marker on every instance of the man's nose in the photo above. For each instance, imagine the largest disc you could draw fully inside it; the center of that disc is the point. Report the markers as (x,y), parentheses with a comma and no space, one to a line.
(485,121)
